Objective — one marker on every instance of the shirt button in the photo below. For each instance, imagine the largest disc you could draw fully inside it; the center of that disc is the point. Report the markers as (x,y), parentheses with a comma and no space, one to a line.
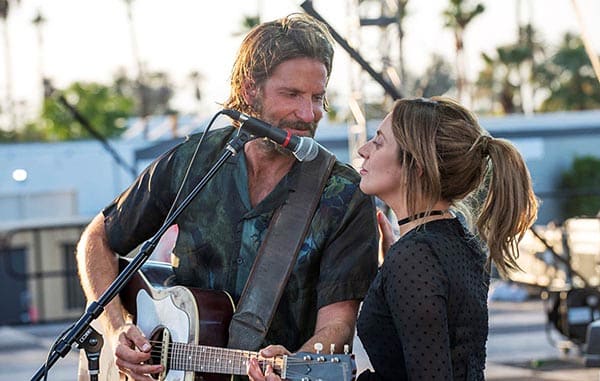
(240,261)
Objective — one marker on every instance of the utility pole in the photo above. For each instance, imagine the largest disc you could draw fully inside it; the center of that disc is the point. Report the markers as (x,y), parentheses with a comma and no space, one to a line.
(381,16)
(38,21)
(357,129)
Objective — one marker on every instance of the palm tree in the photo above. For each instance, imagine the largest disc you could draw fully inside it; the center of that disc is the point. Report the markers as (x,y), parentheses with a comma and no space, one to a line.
(570,78)
(248,22)
(38,22)
(534,52)
(457,17)
(9,104)
(436,80)
(505,75)
(133,36)
(401,16)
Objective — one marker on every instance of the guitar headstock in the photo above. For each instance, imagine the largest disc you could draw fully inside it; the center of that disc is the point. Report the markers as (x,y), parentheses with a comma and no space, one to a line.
(306,366)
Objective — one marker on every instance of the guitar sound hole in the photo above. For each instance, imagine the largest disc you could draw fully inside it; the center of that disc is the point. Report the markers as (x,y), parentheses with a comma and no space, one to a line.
(155,359)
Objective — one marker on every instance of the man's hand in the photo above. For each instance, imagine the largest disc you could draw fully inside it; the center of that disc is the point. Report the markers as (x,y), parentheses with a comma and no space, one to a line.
(254,370)
(132,350)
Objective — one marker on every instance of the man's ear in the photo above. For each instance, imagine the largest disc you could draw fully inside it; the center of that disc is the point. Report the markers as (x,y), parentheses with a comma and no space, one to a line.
(249,92)
(420,170)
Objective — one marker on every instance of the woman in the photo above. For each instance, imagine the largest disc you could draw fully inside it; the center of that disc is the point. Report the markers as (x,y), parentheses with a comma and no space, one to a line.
(425,316)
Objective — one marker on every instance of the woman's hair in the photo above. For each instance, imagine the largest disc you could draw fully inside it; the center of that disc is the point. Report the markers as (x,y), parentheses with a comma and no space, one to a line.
(454,159)
(270,44)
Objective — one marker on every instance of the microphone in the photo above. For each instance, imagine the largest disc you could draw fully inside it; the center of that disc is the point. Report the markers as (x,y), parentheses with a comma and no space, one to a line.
(303,148)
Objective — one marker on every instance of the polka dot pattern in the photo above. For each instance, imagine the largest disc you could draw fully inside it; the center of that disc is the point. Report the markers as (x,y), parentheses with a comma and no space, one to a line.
(425,316)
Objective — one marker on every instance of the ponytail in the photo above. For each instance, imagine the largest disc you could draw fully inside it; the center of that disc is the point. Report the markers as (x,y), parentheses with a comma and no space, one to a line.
(510,207)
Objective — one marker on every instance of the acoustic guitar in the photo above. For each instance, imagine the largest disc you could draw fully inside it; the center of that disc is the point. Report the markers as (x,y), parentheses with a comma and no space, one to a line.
(188,329)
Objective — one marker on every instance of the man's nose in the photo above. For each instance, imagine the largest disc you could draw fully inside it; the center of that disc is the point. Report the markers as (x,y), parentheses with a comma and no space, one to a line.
(307,112)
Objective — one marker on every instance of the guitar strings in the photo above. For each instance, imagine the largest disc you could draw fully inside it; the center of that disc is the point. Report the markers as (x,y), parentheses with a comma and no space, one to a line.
(208,351)
(212,351)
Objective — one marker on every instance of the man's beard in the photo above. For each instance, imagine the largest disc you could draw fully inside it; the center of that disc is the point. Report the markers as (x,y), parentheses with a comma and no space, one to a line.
(270,146)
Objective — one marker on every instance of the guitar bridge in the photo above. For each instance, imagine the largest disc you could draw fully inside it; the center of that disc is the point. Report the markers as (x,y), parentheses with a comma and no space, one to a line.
(164,353)
(284,367)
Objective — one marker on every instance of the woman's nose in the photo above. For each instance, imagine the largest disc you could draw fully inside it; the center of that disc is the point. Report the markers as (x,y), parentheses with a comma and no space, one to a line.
(362,151)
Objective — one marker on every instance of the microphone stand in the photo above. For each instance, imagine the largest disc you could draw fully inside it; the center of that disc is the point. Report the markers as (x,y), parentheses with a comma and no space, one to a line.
(81,332)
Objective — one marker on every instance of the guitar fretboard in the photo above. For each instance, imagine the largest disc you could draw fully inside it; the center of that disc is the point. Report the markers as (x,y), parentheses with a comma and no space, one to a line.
(205,359)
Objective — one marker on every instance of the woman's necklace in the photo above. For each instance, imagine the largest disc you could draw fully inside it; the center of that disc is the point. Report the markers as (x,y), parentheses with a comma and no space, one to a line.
(406,220)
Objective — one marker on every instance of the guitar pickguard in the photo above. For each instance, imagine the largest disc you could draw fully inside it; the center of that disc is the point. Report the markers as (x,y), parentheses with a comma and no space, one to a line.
(177,311)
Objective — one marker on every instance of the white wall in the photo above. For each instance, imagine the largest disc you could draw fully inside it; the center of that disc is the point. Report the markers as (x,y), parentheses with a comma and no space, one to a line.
(81,171)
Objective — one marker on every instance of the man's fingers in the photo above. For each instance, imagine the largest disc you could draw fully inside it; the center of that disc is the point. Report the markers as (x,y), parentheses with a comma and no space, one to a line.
(134,376)
(132,354)
(137,371)
(274,350)
(138,339)
(254,371)
(270,374)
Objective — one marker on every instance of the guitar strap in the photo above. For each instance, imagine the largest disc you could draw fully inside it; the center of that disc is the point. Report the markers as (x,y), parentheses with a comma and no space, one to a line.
(277,255)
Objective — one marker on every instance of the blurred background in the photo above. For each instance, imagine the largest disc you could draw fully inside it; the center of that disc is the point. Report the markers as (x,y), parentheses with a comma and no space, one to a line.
(92,91)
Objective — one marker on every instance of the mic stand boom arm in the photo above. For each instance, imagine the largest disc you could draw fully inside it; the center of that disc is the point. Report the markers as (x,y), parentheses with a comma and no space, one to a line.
(81,330)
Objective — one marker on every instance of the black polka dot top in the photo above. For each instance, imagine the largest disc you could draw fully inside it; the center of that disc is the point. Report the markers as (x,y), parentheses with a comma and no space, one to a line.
(425,316)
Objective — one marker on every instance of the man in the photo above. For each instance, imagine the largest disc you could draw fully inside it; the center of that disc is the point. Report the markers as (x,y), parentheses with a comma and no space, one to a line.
(280,76)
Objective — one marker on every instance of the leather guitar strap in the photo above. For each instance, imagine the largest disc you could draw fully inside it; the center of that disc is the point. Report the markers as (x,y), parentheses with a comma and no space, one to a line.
(277,255)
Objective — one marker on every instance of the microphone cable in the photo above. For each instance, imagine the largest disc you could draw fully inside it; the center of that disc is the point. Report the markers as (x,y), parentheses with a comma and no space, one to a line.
(192,159)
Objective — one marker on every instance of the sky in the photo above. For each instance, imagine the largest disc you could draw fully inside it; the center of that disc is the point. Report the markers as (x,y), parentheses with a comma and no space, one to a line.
(89,40)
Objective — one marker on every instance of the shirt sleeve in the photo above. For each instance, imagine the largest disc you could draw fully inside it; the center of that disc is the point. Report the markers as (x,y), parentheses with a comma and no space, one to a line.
(415,288)
(137,213)
(349,261)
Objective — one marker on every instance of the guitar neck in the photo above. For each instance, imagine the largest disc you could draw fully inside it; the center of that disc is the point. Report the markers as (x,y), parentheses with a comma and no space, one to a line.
(206,359)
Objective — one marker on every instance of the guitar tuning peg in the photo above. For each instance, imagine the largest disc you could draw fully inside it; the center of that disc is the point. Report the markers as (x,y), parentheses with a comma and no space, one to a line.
(318,347)
(346,349)
(332,348)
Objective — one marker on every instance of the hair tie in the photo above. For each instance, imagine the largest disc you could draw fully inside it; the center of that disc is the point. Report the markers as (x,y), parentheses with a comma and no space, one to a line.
(483,141)
(426,101)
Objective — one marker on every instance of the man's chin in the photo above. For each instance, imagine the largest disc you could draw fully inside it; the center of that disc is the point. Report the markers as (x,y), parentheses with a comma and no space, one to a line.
(271,147)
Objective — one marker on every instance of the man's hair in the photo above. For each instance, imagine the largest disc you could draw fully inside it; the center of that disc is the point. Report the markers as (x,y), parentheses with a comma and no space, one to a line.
(272,43)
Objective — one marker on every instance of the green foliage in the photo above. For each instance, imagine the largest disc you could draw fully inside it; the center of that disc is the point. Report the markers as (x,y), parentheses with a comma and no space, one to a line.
(152,92)
(104,108)
(459,14)
(248,22)
(505,72)
(437,80)
(570,78)
(582,185)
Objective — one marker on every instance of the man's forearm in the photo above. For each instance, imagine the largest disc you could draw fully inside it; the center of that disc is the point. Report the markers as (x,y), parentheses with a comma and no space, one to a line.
(98,267)
(338,334)
(335,325)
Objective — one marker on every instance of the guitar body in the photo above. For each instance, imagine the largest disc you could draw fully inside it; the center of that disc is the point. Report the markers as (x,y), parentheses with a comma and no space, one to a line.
(192,316)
